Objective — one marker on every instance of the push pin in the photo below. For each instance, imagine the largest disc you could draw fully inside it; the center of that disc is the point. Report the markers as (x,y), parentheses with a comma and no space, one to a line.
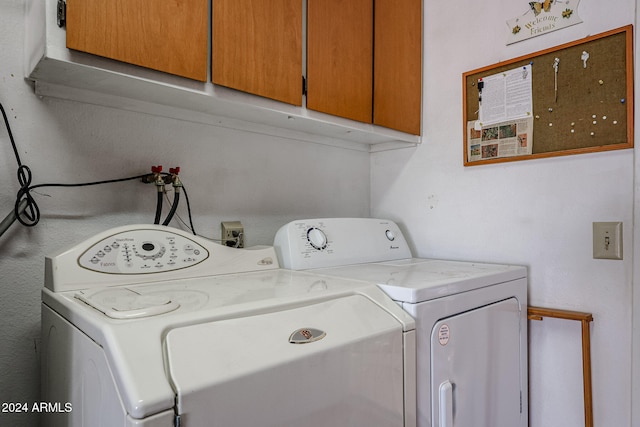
(556,63)
(585,58)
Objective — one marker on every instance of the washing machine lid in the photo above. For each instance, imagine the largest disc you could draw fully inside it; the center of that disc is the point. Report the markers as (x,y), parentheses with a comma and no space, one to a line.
(135,345)
(417,279)
(310,366)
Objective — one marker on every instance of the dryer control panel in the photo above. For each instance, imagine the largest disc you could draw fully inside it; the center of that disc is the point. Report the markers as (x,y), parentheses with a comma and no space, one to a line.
(331,242)
(141,252)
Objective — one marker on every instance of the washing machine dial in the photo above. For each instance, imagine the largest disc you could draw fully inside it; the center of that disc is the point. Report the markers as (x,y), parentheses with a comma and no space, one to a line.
(149,250)
(317,238)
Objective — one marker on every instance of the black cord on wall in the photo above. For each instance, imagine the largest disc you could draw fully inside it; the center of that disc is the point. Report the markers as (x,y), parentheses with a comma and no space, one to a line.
(26,210)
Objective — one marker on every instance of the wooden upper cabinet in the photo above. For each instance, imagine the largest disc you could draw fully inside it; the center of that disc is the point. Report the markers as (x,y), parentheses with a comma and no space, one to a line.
(340,58)
(169,36)
(365,61)
(363,57)
(398,65)
(257,47)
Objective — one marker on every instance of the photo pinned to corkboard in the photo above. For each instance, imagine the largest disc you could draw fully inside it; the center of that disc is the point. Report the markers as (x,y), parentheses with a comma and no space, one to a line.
(570,99)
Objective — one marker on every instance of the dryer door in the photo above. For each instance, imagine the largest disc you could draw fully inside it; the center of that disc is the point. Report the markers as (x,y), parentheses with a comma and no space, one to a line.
(475,359)
(251,370)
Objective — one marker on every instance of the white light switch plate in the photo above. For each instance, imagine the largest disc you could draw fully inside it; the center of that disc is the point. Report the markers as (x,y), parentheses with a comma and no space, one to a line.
(607,240)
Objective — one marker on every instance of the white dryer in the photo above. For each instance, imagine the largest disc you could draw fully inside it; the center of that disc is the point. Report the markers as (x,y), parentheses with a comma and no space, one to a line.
(471,318)
(150,326)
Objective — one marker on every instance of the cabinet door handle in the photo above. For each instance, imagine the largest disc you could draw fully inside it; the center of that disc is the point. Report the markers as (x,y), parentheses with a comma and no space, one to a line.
(446,404)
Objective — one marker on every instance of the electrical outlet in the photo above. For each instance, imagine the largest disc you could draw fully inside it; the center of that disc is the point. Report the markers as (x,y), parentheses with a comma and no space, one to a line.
(232,234)
(607,240)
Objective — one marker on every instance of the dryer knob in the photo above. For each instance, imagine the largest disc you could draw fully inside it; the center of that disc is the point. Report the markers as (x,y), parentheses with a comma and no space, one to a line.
(317,238)
(390,235)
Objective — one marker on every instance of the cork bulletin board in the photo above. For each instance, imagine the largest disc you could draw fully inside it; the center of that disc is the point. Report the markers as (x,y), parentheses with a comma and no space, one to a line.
(583,105)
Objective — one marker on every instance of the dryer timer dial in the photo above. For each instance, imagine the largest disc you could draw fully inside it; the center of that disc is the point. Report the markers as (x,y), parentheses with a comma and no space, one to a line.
(317,238)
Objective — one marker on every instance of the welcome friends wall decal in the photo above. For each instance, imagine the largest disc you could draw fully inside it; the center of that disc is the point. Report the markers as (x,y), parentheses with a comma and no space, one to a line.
(543,17)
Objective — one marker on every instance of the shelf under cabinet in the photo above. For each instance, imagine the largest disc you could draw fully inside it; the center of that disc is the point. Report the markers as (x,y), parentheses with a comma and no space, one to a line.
(66,74)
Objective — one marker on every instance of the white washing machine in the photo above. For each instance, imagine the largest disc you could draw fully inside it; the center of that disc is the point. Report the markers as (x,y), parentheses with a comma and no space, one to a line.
(471,318)
(150,326)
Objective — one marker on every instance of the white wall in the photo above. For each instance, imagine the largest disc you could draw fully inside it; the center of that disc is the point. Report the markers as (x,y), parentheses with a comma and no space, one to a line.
(230,175)
(537,213)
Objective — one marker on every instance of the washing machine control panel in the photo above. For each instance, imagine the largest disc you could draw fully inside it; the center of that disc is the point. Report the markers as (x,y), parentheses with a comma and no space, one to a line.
(142,251)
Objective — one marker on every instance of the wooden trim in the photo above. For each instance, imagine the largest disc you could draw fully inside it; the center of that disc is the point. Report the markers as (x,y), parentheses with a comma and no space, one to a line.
(539,313)
(558,314)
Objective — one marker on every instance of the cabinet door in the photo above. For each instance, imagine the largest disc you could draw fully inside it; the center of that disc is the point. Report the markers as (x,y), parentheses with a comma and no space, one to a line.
(398,64)
(169,36)
(257,47)
(340,58)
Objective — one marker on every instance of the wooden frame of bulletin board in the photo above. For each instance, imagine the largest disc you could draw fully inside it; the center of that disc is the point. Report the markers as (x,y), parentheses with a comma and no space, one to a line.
(578,109)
